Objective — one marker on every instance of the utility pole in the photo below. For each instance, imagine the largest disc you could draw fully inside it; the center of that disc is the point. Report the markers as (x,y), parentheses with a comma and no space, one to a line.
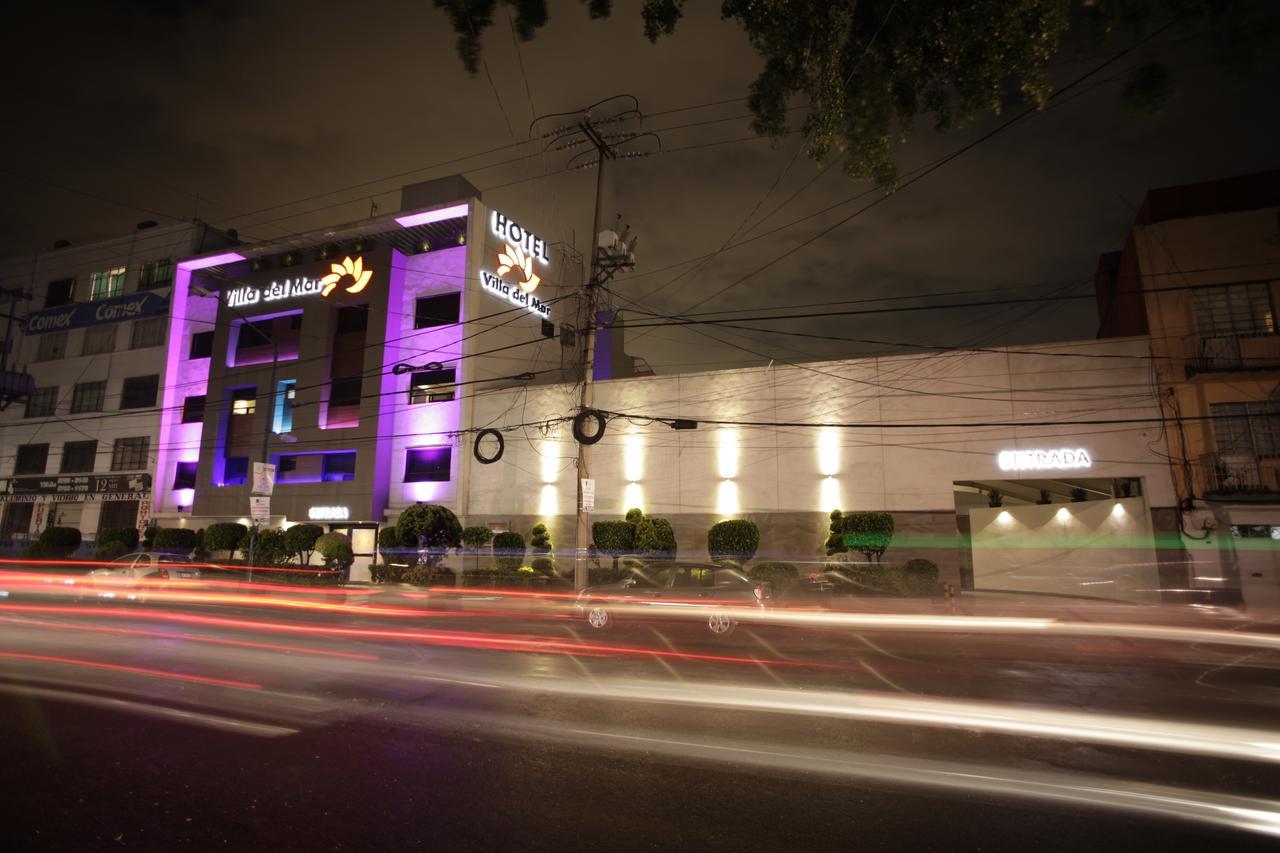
(266,429)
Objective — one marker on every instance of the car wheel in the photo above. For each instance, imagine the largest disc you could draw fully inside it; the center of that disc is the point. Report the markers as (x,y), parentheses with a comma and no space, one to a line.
(721,624)
(599,618)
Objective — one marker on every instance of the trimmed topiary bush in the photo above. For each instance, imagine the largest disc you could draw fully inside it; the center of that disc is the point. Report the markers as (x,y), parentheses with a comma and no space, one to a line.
(871,531)
(508,550)
(835,535)
(430,528)
(111,551)
(335,550)
(175,539)
(735,539)
(300,540)
(476,537)
(224,536)
(126,535)
(633,515)
(780,576)
(614,538)
(655,538)
(58,543)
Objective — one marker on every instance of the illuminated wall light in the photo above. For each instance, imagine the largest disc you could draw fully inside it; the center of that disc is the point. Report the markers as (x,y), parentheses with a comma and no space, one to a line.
(829,452)
(550,453)
(1004,517)
(184,498)
(1118,511)
(633,497)
(1063,514)
(727,498)
(727,454)
(830,494)
(548,501)
(633,458)
(427,217)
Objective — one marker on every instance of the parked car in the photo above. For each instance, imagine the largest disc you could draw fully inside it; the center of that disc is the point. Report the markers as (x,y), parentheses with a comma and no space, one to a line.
(672,592)
(129,576)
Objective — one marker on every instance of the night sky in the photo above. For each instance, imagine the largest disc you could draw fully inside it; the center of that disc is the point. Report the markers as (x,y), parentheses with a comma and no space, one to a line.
(231,110)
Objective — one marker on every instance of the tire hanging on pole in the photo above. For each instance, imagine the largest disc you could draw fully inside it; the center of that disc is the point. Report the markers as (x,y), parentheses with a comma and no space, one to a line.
(579,421)
(480,457)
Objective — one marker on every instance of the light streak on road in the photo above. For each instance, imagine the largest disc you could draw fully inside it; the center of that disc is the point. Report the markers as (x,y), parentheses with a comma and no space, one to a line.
(130,670)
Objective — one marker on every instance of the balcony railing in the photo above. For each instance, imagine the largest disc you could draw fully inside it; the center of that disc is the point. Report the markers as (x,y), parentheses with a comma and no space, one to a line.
(1230,474)
(1241,351)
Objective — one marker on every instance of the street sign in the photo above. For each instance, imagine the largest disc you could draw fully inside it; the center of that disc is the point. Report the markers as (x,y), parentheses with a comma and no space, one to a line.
(264,478)
(260,509)
(588,495)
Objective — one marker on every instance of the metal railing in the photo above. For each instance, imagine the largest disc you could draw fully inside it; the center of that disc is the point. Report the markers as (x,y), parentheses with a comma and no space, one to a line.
(1238,351)
(1229,474)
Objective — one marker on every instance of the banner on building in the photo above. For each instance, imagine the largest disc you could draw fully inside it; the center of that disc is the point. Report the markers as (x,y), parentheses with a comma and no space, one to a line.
(91,487)
(131,306)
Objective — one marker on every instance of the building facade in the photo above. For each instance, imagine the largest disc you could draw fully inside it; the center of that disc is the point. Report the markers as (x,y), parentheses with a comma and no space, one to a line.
(80,450)
(1200,271)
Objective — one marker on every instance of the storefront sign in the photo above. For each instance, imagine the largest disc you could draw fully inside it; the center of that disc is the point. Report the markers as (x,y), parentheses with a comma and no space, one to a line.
(513,277)
(352,271)
(105,487)
(495,285)
(1059,459)
(133,306)
(329,513)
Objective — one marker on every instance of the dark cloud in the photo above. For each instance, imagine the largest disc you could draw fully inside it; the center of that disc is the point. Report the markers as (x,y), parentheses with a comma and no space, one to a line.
(225,108)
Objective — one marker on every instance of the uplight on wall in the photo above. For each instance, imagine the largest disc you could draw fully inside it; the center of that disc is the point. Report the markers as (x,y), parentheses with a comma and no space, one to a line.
(727,454)
(830,494)
(727,498)
(548,498)
(633,471)
(829,466)
(1004,518)
(548,501)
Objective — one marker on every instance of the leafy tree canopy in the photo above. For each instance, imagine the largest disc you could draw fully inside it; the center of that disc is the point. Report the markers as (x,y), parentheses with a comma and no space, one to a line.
(865,69)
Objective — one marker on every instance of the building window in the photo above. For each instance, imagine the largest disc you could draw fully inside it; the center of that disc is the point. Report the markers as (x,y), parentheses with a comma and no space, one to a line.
(130,453)
(258,341)
(352,318)
(244,401)
(99,340)
(139,392)
(427,464)
(147,333)
(437,310)
(201,345)
(236,472)
(345,392)
(185,475)
(339,467)
(155,274)
(43,402)
(60,292)
(78,457)
(1247,429)
(108,283)
(31,459)
(52,346)
(432,386)
(88,397)
(193,409)
(1238,309)
(17,520)
(255,334)
(282,417)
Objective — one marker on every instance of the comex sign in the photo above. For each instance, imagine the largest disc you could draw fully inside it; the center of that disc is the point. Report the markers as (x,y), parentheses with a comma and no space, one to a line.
(521,248)
(1061,459)
(289,288)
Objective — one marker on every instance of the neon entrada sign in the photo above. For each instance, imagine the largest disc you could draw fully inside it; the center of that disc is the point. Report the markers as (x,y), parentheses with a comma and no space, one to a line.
(304,286)
(1060,459)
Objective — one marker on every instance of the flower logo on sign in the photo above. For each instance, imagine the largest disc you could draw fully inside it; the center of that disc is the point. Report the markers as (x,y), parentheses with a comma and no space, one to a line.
(347,269)
(514,258)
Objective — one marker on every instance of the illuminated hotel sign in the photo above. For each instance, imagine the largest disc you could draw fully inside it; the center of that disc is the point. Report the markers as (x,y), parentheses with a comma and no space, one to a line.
(328,513)
(1060,459)
(353,270)
(514,278)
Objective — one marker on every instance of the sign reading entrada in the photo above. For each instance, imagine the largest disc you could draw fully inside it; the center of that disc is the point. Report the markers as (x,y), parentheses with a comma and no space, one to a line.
(1060,459)
(521,248)
(239,297)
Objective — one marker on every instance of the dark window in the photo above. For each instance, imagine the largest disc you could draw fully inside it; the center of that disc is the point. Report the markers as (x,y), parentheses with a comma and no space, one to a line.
(52,346)
(31,459)
(427,464)
(43,402)
(17,520)
(155,274)
(353,318)
(148,333)
(193,409)
(99,340)
(285,464)
(1247,429)
(130,453)
(201,345)
(139,392)
(345,392)
(339,467)
(88,397)
(255,334)
(236,472)
(432,386)
(437,310)
(1241,309)
(185,475)
(60,292)
(78,457)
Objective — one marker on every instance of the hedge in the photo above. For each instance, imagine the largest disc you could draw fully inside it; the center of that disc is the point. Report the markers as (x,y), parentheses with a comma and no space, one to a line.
(58,543)
(735,539)
(175,539)
(128,536)
(781,576)
(871,533)
(655,537)
(508,550)
(224,536)
(614,538)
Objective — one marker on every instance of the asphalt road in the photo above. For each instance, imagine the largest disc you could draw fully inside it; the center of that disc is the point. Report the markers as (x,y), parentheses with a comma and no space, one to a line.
(301,721)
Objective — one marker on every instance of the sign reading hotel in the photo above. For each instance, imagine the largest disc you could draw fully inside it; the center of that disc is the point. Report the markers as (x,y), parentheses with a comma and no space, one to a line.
(1060,459)
(514,279)
(240,297)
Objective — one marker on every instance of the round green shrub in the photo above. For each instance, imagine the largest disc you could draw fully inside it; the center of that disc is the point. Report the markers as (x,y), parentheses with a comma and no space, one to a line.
(633,515)
(127,535)
(175,539)
(655,538)
(871,531)
(300,541)
(271,549)
(35,551)
(389,537)
(780,576)
(540,539)
(111,550)
(508,550)
(476,537)
(734,539)
(59,542)
(224,536)
(335,549)
(614,538)
(431,528)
